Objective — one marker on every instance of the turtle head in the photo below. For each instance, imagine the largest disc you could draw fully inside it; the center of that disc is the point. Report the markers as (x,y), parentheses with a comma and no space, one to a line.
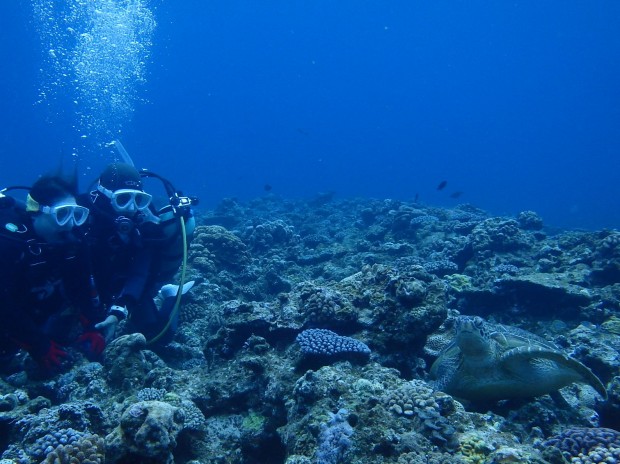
(471,335)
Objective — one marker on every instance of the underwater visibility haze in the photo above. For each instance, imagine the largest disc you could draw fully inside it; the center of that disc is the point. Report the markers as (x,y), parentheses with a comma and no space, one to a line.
(515,104)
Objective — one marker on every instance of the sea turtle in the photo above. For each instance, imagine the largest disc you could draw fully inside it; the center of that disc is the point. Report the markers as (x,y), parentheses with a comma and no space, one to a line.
(490,362)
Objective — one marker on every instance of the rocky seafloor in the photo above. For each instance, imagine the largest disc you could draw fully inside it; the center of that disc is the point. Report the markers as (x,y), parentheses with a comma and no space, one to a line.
(239,384)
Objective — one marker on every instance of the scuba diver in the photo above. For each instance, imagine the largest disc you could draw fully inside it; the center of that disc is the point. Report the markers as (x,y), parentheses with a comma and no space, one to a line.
(44,292)
(136,249)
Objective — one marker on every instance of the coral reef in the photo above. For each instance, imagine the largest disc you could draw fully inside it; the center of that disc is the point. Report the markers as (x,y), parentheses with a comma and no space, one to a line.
(587,444)
(214,248)
(323,342)
(281,282)
(335,439)
(417,400)
(87,449)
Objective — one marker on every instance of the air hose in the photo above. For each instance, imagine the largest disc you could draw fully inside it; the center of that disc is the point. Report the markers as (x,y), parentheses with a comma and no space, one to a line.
(177,303)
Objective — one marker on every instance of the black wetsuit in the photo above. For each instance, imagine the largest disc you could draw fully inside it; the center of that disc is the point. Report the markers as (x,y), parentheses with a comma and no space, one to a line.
(43,286)
(131,259)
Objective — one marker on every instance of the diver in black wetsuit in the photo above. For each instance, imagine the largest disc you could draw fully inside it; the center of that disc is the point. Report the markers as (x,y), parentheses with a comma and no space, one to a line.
(43,283)
(135,249)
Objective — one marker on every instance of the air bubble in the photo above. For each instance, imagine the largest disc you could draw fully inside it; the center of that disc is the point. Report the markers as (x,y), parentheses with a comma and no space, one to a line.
(97,53)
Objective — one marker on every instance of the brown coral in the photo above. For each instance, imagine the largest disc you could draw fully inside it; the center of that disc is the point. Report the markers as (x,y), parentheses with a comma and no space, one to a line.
(89,449)
(215,248)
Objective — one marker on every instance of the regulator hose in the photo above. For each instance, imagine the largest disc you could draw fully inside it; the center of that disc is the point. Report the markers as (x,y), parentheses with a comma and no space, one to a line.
(177,303)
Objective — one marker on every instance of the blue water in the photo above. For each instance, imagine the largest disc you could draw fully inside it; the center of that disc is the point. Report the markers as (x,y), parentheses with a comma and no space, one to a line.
(516,104)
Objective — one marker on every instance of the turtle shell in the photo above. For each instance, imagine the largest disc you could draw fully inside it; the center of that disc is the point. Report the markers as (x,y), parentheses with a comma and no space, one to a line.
(512,337)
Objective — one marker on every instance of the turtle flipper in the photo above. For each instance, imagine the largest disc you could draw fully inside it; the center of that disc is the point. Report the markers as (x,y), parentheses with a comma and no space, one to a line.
(445,368)
(532,352)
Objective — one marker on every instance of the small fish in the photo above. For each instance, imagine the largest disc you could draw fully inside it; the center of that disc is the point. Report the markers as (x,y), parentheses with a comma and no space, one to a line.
(456,194)
(442,185)
(267,187)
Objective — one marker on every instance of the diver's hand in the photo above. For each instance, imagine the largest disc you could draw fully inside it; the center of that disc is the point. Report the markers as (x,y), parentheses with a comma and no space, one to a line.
(108,327)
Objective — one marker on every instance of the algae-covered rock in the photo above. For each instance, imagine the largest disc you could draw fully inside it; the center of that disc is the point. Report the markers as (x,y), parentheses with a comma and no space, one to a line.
(612,325)
(148,431)
(124,361)
(555,293)
(500,235)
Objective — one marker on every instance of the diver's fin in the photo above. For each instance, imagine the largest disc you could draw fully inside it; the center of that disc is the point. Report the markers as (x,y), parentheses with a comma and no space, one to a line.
(171,290)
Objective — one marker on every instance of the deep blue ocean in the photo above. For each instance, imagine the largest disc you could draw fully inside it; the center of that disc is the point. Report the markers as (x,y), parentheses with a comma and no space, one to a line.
(515,104)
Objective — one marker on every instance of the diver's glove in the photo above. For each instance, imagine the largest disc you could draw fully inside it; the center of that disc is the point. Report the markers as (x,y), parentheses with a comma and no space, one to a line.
(52,358)
(171,290)
(108,326)
(92,344)
(119,311)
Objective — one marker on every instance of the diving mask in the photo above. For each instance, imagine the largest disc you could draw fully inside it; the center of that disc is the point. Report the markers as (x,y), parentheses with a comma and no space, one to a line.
(126,199)
(62,214)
